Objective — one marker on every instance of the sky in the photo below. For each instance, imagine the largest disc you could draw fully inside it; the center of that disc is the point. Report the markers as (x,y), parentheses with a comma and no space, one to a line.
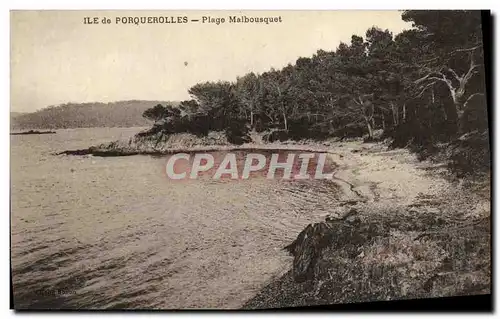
(56,58)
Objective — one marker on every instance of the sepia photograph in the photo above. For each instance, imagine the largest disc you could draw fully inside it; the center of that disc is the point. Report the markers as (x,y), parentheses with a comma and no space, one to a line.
(245,160)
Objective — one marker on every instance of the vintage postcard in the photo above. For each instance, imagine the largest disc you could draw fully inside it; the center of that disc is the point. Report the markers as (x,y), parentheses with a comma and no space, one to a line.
(248,159)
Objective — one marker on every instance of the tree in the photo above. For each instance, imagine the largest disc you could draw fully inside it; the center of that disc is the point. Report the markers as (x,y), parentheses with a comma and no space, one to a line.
(451,55)
(156,113)
(248,88)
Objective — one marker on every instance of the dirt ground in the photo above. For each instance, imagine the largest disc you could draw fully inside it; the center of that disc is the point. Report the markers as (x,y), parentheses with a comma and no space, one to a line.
(418,233)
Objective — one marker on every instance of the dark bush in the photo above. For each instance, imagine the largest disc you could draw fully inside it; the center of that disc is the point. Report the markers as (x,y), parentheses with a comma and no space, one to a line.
(470,154)
(275,135)
(350,130)
(237,132)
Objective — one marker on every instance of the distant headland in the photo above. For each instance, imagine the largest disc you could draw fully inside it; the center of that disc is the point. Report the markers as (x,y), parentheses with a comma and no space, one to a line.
(76,115)
(30,132)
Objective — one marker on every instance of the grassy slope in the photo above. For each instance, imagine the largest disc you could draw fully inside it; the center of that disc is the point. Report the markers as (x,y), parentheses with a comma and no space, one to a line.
(414,234)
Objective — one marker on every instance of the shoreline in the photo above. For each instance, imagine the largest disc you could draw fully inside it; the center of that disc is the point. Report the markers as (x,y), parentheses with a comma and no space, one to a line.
(403,230)
(397,217)
(216,148)
(33,132)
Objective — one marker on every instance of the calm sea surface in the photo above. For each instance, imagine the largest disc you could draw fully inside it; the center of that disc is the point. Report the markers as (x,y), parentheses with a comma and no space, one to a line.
(94,232)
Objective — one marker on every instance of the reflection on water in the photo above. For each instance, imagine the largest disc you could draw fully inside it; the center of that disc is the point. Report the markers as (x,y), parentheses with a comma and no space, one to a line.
(92,232)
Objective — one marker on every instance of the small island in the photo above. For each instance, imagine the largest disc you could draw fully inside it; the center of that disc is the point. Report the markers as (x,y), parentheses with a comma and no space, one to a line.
(30,132)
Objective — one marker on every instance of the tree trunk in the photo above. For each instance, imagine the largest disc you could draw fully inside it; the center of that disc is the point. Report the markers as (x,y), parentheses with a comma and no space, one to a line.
(395,114)
(459,109)
(370,128)
(284,119)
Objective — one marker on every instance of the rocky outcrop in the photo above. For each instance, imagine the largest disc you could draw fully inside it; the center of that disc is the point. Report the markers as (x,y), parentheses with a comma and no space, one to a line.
(152,144)
(346,233)
(30,132)
(364,257)
(307,248)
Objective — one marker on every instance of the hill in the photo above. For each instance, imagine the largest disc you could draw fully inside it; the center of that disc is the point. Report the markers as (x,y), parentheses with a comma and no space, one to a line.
(73,115)
(16,114)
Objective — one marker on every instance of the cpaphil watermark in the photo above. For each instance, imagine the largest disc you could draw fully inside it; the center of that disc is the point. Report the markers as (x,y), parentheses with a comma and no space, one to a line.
(234,165)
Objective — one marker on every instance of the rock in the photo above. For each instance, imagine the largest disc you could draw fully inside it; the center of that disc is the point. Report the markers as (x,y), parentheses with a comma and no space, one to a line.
(307,248)
(352,217)
(274,136)
(330,218)
(345,233)
(30,132)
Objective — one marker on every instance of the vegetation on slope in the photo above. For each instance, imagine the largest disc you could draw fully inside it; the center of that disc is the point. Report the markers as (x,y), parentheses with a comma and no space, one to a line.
(402,232)
(74,115)
(424,88)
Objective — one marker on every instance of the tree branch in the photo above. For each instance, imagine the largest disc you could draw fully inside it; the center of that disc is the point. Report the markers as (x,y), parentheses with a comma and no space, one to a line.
(454,73)
(467,50)
(472,67)
(470,97)
(425,88)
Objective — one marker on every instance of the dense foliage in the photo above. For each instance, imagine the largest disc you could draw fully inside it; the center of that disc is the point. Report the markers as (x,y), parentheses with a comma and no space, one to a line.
(422,87)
